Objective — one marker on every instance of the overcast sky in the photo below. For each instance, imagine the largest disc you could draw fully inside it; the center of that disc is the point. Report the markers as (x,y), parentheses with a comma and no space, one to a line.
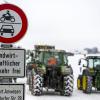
(67,24)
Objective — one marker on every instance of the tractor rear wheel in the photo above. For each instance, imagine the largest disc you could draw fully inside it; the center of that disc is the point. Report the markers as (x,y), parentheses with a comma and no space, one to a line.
(68,85)
(37,87)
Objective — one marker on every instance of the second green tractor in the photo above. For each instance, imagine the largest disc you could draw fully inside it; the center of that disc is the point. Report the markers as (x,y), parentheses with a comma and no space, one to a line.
(89,79)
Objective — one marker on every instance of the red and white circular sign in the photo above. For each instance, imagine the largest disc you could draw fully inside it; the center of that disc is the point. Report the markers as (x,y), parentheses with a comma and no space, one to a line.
(13,23)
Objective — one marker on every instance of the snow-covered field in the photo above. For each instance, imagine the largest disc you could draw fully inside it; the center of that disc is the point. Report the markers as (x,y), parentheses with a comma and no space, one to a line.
(77,95)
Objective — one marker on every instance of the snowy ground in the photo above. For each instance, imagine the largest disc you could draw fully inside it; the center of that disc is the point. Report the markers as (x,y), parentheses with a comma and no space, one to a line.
(77,95)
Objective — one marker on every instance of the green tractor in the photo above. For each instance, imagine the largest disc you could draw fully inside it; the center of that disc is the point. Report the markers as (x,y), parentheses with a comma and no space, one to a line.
(90,77)
(50,70)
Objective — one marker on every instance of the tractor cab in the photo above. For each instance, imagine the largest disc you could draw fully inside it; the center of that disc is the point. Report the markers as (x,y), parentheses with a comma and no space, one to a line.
(52,57)
(92,64)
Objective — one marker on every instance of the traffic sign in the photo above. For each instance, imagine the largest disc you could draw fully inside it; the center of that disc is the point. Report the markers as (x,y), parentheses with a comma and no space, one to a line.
(12,62)
(13,23)
(12,92)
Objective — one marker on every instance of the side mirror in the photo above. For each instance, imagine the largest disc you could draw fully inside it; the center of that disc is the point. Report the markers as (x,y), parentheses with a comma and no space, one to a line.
(79,63)
(84,65)
(32,55)
(69,65)
(66,64)
(38,62)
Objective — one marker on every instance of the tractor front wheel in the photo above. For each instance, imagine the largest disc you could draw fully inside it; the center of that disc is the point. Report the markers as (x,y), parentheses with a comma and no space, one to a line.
(79,82)
(87,84)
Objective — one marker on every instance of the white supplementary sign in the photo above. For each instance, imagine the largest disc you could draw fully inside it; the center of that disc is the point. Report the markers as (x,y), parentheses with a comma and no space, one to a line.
(12,62)
(12,91)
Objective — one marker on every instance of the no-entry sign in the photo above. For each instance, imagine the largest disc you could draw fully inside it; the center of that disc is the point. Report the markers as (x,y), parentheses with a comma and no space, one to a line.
(12,62)
(13,23)
(12,91)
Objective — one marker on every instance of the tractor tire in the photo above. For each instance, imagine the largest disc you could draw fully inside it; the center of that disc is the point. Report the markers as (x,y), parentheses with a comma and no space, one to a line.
(79,82)
(68,85)
(37,87)
(87,84)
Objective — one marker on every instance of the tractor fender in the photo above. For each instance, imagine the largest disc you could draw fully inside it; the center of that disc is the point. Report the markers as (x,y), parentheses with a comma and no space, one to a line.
(65,70)
(86,72)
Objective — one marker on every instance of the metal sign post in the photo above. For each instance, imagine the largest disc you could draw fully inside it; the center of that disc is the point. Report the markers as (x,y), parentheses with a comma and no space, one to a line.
(13,26)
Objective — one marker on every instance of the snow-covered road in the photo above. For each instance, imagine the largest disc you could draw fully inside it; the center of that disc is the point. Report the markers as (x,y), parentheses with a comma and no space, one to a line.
(77,95)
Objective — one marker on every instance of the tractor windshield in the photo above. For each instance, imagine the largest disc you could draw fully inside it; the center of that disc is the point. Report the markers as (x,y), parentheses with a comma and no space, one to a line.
(93,62)
(44,56)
